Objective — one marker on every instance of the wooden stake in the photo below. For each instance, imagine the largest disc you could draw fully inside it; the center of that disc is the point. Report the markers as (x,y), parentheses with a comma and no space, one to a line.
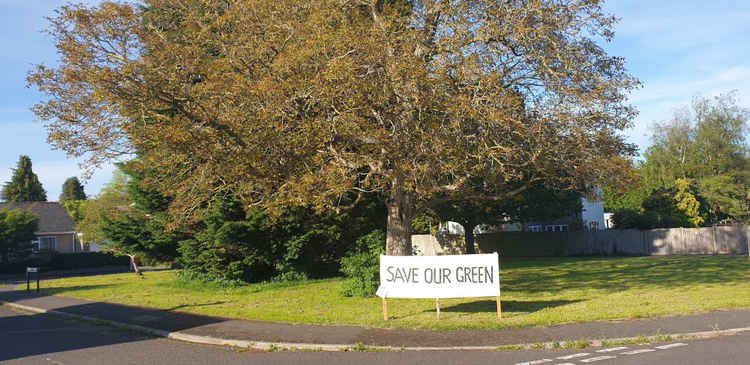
(437,307)
(385,309)
(499,309)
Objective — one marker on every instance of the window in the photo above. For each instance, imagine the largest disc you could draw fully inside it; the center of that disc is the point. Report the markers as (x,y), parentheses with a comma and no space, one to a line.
(534,228)
(556,228)
(44,244)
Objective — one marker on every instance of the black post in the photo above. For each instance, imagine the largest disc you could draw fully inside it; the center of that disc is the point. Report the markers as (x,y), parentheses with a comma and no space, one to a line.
(28,288)
(37,282)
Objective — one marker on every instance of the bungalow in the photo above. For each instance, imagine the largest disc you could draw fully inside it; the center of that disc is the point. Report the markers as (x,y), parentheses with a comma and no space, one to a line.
(56,231)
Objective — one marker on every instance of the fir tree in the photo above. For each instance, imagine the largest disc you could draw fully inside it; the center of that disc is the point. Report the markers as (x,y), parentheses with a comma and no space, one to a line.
(72,190)
(24,185)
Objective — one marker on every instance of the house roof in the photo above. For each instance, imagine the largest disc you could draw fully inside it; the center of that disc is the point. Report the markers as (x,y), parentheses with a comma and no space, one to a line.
(52,216)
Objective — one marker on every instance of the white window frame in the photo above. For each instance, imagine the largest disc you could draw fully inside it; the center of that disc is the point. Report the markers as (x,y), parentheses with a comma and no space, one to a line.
(556,228)
(534,228)
(51,244)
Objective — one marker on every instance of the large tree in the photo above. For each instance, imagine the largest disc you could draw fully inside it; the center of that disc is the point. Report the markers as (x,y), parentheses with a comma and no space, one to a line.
(72,189)
(24,185)
(707,145)
(313,102)
(17,229)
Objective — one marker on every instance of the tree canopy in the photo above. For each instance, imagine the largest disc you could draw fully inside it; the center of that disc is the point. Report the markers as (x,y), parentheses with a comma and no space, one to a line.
(705,146)
(470,209)
(17,228)
(315,102)
(72,189)
(24,185)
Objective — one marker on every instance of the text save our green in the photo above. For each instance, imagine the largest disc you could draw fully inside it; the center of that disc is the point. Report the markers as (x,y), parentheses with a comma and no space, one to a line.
(441,275)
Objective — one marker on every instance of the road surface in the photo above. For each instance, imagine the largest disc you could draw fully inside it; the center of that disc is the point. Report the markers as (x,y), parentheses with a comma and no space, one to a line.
(50,340)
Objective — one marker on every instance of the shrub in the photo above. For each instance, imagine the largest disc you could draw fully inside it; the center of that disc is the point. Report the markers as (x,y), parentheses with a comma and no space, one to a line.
(66,261)
(19,267)
(362,265)
(633,219)
(232,246)
(236,243)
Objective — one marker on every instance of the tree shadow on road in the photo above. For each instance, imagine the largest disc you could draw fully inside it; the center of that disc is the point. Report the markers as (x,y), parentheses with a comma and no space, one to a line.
(23,334)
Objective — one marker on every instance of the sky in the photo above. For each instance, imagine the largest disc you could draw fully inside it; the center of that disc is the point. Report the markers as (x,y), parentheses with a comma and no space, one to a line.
(677,49)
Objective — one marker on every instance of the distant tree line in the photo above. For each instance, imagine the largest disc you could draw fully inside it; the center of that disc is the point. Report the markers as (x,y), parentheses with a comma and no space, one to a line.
(695,173)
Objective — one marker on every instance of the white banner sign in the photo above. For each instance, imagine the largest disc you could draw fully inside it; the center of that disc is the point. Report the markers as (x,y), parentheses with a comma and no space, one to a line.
(451,276)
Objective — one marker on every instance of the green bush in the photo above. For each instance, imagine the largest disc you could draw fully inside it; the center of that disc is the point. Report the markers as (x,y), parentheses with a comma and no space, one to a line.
(19,267)
(362,266)
(67,261)
(248,245)
(233,246)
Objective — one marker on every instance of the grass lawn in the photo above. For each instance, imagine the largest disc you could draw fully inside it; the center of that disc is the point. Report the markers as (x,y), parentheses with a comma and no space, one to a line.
(535,292)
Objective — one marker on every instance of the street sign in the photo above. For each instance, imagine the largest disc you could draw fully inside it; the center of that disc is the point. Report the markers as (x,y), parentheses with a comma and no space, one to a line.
(30,270)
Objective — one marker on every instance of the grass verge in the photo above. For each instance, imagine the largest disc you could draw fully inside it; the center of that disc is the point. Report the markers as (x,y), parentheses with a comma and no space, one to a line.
(535,292)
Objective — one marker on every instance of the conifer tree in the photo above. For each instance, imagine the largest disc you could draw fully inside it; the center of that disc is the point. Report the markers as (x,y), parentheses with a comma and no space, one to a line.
(24,185)
(72,190)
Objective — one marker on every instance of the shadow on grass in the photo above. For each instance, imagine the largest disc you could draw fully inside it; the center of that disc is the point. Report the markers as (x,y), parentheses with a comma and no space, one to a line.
(69,289)
(615,274)
(525,306)
(193,306)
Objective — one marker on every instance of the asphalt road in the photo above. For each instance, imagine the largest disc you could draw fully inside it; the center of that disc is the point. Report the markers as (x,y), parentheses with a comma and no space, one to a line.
(51,340)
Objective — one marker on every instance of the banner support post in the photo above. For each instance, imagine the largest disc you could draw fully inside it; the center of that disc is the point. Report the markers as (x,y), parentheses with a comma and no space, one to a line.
(385,309)
(499,309)
(437,307)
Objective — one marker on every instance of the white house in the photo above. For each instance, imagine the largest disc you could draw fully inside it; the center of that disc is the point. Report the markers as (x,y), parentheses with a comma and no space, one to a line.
(592,212)
(591,217)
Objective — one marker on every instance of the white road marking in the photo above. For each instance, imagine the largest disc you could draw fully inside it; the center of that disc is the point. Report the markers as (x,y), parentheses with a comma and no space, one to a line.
(636,352)
(54,362)
(613,349)
(542,361)
(671,345)
(568,357)
(567,363)
(598,358)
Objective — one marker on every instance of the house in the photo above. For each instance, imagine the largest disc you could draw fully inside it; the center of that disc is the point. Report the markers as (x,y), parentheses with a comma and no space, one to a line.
(590,218)
(56,230)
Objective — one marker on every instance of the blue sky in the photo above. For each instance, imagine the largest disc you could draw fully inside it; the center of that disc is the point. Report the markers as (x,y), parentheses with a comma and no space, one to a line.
(678,49)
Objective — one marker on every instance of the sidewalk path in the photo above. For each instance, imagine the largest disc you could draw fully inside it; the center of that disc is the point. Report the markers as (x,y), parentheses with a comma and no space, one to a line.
(169,321)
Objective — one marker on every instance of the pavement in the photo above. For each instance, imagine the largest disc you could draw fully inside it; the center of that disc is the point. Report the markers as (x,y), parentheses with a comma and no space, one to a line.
(36,339)
(264,335)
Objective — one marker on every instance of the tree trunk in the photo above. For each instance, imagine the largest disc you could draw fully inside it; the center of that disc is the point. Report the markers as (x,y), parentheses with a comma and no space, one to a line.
(469,238)
(400,214)
(134,265)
